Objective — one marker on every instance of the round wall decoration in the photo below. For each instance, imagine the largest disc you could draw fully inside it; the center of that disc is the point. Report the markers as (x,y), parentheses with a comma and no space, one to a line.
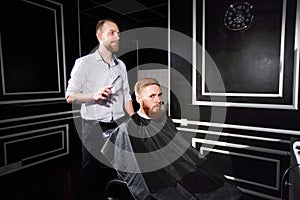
(239,16)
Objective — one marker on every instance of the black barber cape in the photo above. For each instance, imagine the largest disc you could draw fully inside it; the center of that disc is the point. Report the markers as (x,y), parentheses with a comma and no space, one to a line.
(157,163)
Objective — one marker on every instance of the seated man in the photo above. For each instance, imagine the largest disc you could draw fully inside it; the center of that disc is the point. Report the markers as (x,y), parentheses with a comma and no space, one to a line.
(156,162)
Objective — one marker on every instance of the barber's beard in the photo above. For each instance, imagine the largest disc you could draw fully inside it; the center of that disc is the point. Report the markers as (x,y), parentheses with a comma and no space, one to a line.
(112,46)
(154,112)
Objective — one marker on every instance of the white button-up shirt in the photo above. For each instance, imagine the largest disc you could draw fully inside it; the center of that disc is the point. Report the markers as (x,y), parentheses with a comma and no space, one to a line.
(88,75)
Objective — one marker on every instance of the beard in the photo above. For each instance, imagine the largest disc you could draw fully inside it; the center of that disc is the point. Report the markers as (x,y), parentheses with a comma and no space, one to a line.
(112,46)
(154,112)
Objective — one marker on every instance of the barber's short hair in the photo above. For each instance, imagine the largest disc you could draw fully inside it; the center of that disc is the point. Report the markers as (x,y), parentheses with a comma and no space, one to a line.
(144,83)
(101,23)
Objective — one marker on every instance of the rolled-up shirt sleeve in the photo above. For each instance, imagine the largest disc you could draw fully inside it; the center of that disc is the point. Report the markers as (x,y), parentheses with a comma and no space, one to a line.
(77,80)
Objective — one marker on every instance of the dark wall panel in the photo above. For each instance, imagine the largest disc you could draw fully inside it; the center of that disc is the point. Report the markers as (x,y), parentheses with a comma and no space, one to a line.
(39,43)
(247,125)
(32,51)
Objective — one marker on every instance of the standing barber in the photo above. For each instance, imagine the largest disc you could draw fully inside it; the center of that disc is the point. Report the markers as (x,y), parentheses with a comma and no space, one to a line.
(101,102)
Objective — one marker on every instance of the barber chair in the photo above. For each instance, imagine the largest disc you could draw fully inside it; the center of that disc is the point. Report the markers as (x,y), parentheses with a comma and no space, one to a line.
(117,189)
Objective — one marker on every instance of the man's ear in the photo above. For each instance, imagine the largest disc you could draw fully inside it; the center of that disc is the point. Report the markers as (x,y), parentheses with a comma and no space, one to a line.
(138,98)
(99,36)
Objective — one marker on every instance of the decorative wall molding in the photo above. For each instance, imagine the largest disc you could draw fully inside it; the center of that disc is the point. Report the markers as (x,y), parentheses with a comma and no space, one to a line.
(21,121)
(277,99)
(186,122)
(48,58)
(57,146)
(276,163)
(243,149)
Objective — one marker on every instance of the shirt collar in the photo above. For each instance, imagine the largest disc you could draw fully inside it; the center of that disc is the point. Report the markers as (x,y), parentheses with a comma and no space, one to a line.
(100,58)
(139,112)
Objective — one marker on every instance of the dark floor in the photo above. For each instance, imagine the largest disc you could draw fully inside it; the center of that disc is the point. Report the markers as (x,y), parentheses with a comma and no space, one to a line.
(55,180)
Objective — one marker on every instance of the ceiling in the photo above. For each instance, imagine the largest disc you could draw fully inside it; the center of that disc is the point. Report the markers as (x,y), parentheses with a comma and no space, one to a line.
(127,13)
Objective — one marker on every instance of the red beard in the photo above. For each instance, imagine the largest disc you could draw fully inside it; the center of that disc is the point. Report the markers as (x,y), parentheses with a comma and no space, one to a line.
(154,112)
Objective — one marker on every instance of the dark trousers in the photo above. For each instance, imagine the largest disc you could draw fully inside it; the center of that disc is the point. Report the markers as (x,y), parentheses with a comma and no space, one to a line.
(95,171)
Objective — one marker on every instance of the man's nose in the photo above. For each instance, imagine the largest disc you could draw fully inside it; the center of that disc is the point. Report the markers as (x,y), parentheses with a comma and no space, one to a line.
(117,36)
(158,99)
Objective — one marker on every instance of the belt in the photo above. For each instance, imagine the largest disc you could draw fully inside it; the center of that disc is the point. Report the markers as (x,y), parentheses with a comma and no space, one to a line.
(107,125)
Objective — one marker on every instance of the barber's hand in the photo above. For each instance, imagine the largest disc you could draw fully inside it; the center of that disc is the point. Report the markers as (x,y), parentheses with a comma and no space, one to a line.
(103,94)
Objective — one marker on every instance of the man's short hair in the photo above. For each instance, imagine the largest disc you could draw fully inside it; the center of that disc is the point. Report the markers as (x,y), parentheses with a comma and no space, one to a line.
(144,83)
(101,23)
